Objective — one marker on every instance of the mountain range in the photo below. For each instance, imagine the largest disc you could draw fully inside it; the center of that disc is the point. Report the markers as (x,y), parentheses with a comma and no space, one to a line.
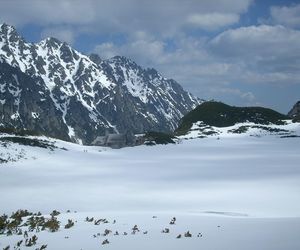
(53,89)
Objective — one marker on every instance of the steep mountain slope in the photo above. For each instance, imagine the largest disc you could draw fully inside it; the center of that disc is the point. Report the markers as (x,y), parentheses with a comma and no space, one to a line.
(54,89)
(295,112)
(24,103)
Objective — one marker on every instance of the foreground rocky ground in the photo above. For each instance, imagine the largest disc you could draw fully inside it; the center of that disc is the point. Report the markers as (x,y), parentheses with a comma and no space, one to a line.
(135,230)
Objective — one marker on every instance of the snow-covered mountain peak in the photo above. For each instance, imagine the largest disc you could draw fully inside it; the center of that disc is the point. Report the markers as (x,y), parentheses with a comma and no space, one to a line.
(50,41)
(62,49)
(10,39)
(8,30)
(122,60)
(89,95)
(153,73)
(141,83)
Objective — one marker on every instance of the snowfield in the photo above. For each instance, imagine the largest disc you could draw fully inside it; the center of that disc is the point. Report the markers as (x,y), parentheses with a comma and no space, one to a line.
(239,192)
(200,130)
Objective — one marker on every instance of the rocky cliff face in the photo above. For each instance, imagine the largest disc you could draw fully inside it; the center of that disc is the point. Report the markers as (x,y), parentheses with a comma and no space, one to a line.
(295,111)
(53,89)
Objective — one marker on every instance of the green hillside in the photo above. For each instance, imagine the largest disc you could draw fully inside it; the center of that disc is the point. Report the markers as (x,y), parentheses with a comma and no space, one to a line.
(219,114)
(153,138)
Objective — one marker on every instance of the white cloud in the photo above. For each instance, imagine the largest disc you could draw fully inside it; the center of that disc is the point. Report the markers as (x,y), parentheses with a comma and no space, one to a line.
(249,97)
(289,16)
(54,12)
(107,50)
(158,17)
(64,34)
(212,21)
(140,47)
(265,48)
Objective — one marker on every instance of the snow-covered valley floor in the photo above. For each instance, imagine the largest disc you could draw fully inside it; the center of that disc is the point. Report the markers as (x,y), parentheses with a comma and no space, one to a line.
(239,192)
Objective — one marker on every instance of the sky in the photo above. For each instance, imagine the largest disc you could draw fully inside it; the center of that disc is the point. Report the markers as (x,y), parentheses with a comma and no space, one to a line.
(242,52)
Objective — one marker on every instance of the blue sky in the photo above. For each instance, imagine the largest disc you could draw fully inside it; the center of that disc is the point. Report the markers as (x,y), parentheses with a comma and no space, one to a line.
(242,52)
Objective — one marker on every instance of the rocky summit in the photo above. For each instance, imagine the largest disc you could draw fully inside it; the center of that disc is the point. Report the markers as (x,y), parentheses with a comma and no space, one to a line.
(295,112)
(51,88)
